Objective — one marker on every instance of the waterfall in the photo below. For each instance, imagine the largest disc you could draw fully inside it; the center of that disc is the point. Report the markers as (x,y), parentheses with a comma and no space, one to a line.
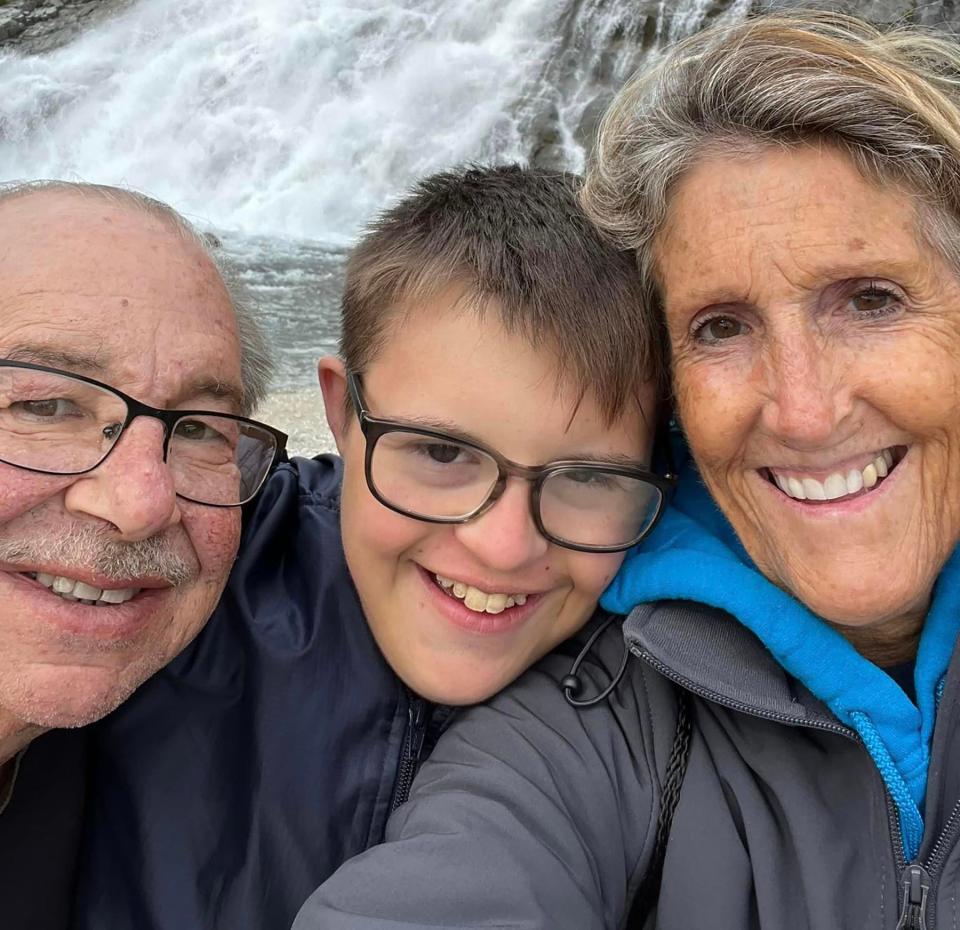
(300,118)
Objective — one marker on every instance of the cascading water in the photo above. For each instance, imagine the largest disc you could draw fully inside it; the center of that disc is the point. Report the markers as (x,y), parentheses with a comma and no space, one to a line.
(285,124)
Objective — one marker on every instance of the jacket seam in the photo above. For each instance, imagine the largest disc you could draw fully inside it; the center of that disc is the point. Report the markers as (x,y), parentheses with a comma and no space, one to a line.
(638,870)
(324,501)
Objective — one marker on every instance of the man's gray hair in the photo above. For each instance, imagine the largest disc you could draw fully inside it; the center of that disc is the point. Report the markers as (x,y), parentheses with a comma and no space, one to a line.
(256,361)
(888,98)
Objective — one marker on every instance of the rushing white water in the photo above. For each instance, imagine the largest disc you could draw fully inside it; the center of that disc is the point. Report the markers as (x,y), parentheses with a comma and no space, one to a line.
(300,118)
(291,117)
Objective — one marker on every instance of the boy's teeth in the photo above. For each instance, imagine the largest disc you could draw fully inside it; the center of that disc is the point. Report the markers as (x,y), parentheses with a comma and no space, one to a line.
(837,485)
(478,600)
(71,590)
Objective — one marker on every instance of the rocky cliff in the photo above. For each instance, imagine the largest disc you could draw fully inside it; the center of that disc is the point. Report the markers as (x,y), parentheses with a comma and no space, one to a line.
(39,25)
(604,41)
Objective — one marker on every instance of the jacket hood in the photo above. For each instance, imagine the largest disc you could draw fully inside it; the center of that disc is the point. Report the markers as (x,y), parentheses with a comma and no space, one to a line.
(694,555)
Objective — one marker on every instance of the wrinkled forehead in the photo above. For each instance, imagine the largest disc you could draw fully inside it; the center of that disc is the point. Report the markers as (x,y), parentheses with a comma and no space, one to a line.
(116,293)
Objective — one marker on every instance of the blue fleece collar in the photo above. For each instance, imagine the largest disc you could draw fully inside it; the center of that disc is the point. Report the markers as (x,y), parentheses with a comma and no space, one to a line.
(693,554)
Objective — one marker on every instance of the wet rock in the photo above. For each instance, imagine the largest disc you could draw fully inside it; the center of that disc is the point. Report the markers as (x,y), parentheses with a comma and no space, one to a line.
(34,26)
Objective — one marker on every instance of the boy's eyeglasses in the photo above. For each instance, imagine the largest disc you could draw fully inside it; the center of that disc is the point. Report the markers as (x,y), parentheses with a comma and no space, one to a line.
(57,423)
(440,478)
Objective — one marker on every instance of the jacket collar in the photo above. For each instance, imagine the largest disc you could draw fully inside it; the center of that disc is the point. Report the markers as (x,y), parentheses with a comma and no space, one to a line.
(708,652)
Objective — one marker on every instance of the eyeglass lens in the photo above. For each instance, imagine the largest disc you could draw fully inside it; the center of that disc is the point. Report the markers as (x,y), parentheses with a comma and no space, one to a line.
(438,478)
(590,507)
(57,424)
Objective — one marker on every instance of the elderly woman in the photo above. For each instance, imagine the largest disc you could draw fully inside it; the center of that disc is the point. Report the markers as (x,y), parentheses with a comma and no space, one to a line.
(791,186)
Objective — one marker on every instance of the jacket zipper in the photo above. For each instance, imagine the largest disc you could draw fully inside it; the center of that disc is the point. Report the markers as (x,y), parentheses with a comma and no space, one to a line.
(417,717)
(915,902)
(916,879)
(916,888)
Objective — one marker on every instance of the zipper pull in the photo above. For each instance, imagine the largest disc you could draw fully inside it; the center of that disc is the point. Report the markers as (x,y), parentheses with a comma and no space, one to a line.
(417,714)
(916,886)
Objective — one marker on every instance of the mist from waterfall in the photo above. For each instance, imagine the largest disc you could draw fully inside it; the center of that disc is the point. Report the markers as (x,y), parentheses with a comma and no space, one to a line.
(300,118)
(290,117)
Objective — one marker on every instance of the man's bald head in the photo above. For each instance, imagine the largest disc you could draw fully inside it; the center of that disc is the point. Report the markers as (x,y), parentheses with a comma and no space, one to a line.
(256,361)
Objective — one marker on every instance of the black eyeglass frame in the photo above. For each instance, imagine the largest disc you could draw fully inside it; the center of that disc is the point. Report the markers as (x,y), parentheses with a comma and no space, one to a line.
(374,427)
(169,419)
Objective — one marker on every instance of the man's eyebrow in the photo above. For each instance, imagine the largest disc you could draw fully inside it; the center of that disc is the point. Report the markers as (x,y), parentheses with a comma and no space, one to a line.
(215,390)
(86,364)
(55,358)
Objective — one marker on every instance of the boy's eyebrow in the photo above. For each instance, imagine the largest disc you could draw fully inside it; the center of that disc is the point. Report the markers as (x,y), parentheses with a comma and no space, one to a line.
(455,432)
(439,426)
(610,458)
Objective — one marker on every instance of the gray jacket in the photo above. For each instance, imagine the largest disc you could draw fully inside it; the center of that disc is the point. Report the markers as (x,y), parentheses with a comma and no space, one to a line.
(532,814)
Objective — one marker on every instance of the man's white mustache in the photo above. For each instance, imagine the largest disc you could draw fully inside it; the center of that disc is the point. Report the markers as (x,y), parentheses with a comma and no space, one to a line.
(92,549)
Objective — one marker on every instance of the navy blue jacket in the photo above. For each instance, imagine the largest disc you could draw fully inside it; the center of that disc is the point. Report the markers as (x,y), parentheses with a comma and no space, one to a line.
(244,773)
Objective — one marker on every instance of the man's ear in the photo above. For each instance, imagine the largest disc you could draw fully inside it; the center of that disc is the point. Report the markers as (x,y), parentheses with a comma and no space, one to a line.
(333,384)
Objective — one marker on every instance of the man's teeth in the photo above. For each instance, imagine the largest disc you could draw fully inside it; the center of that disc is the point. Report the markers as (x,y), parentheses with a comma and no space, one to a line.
(479,600)
(71,590)
(838,484)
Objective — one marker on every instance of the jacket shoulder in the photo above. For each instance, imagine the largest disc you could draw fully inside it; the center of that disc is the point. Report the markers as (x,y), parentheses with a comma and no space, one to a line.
(530,792)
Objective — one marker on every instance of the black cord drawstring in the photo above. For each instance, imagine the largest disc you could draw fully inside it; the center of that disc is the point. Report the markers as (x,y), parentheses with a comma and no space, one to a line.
(572,685)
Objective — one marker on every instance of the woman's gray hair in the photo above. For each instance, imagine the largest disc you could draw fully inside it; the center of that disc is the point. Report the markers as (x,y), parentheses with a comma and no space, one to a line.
(888,98)
(256,360)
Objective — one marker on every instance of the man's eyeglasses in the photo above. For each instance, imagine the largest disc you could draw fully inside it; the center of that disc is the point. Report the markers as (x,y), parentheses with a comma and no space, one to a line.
(441,478)
(58,423)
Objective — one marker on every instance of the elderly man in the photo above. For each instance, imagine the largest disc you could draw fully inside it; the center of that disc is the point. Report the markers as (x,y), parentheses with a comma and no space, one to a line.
(125,368)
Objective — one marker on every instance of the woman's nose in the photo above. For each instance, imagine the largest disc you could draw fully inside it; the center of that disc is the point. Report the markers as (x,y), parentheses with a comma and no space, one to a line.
(807,396)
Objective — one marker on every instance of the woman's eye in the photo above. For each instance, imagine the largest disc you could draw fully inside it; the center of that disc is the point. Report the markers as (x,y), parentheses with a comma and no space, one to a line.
(719,329)
(874,301)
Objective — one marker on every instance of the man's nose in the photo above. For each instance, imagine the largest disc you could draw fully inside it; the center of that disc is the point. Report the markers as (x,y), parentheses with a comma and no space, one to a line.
(132,489)
(806,401)
(505,537)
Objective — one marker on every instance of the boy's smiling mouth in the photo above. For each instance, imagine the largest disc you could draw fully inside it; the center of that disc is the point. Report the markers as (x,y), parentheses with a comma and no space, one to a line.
(477,600)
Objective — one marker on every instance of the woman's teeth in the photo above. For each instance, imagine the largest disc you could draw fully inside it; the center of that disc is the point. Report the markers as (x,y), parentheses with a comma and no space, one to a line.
(71,590)
(838,484)
(478,600)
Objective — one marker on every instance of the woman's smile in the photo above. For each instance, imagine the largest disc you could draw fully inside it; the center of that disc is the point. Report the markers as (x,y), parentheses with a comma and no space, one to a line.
(840,482)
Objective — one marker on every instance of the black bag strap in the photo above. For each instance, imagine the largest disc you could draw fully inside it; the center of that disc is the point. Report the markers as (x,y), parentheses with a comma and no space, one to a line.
(645,901)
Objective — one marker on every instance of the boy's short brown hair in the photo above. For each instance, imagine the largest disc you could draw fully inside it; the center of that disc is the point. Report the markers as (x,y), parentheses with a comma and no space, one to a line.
(519,242)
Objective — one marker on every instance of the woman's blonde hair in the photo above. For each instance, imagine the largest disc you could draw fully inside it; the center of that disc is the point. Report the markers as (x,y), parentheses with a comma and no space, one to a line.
(888,98)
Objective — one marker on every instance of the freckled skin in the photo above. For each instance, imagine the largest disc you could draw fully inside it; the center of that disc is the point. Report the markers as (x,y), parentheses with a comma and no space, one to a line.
(448,364)
(82,276)
(778,247)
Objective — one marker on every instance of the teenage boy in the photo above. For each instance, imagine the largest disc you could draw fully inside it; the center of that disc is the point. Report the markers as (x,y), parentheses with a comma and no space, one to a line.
(493,406)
